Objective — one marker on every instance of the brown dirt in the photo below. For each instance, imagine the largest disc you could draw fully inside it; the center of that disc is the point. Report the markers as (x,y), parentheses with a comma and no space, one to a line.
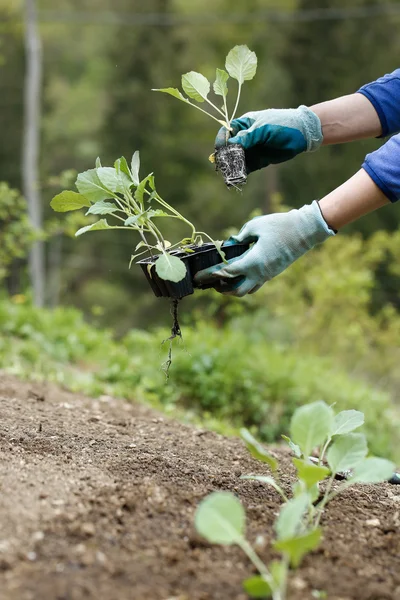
(97,500)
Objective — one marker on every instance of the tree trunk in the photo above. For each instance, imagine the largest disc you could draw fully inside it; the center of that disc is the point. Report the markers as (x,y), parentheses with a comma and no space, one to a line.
(31,145)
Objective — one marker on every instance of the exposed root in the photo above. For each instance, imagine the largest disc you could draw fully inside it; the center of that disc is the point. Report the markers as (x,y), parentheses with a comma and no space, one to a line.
(175,332)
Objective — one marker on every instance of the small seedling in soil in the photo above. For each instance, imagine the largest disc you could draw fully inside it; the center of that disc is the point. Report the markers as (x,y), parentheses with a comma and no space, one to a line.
(240,64)
(220,517)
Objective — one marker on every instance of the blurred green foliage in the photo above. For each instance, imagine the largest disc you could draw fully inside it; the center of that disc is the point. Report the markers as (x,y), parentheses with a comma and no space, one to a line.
(16,232)
(230,376)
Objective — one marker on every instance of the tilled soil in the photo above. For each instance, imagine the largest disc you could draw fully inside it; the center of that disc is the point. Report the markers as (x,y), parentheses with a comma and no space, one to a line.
(97,499)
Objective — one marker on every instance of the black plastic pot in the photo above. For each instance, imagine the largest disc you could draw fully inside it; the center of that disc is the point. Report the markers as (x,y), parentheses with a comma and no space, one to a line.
(231,161)
(203,257)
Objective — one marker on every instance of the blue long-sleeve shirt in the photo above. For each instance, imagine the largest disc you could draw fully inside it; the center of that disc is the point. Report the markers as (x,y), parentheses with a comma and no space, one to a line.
(383,165)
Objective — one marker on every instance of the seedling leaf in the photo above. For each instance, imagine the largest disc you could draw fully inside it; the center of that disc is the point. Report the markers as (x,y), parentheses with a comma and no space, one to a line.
(241,63)
(373,470)
(139,193)
(102,224)
(90,186)
(133,220)
(257,587)
(290,517)
(311,425)
(346,421)
(102,208)
(264,479)
(156,213)
(309,473)
(135,166)
(220,86)
(196,86)
(170,268)
(294,447)
(112,180)
(297,547)
(68,200)
(220,518)
(257,450)
(173,92)
(121,166)
(347,451)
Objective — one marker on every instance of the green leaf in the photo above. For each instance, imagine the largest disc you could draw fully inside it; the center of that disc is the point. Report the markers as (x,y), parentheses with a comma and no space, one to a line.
(278,572)
(347,421)
(347,451)
(373,470)
(102,224)
(218,245)
(196,86)
(311,425)
(140,190)
(90,186)
(291,516)
(220,518)
(135,166)
(98,163)
(294,447)
(121,166)
(257,450)
(140,245)
(309,473)
(297,547)
(156,213)
(257,587)
(67,201)
(241,63)
(173,92)
(170,268)
(220,87)
(102,208)
(264,479)
(112,180)
(133,220)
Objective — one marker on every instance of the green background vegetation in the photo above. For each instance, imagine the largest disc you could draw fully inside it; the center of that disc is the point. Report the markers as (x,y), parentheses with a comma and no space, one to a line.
(326,329)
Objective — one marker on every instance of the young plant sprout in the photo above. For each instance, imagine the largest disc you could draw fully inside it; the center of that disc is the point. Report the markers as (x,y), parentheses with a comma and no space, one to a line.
(220,517)
(240,64)
(133,205)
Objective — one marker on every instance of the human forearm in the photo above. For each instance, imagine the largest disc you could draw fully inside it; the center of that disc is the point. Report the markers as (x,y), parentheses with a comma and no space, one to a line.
(357,197)
(347,119)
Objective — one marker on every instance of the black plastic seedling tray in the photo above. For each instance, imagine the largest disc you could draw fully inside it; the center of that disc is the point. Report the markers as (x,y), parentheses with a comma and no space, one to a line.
(201,258)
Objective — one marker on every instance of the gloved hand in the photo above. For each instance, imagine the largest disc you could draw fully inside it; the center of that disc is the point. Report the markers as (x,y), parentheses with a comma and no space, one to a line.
(274,135)
(279,239)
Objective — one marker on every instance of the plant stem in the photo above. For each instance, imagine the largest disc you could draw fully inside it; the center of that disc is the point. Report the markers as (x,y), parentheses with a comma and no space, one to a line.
(226,112)
(322,455)
(176,213)
(237,103)
(320,507)
(205,112)
(257,562)
(216,107)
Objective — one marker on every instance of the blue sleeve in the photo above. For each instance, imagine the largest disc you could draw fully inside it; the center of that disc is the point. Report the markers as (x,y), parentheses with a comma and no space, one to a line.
(383,166)
(384,94)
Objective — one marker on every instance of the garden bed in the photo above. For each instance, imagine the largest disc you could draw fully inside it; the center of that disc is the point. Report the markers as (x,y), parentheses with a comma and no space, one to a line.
(98,496)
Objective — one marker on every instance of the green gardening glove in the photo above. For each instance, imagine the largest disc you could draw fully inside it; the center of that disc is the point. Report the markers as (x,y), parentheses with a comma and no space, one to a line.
(273,136)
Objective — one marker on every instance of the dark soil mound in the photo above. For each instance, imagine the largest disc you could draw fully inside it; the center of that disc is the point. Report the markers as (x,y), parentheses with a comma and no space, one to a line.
(97,500)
